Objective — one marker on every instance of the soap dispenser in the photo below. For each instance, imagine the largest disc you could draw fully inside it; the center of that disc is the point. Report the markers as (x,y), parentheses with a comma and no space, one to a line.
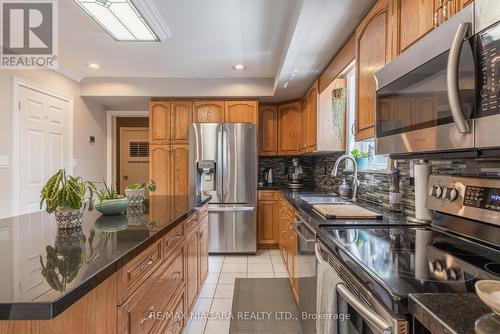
(344,189)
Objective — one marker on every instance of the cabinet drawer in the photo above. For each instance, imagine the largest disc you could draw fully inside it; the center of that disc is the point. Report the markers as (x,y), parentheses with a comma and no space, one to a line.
(269,195)
(133,274)
(191,223)
(173,239)
(203,213)
(137,315)
(176,323)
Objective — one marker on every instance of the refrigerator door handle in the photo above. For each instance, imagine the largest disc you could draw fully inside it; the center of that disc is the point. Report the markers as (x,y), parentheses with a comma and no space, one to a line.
(231,209)
(220,159)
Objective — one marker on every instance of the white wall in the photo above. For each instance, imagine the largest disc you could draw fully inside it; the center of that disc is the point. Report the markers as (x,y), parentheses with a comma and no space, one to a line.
(89,119)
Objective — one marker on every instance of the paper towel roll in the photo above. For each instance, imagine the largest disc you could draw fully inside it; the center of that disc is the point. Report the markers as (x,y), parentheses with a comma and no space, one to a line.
(422,173)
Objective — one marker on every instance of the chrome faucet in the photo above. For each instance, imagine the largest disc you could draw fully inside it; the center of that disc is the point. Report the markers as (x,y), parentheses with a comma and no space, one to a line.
(355,181)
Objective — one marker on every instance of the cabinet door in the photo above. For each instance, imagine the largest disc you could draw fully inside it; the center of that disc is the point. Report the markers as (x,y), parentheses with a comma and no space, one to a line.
(312,103)
(191,269)
(373,51)
(179,169)
(159,168)
(288,128)
(268,130)
(268,223)
(304,125)
(179,121)
(414,20)
(203,253)
(208,112)
(240,112)
(159,122)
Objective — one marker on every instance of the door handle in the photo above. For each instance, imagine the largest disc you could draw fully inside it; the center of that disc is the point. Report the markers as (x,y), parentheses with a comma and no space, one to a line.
(237,209)
(452,79)
(366,313)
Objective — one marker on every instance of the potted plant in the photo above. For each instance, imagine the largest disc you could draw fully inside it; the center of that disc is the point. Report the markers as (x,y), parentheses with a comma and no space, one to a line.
(361,158)
(64,195)
(135,192)
(109,202)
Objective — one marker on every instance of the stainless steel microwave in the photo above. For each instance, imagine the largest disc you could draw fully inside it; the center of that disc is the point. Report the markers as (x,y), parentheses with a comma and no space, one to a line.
(443,93)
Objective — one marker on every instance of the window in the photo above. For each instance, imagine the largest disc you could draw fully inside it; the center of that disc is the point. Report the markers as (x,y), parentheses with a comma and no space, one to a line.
(375,162)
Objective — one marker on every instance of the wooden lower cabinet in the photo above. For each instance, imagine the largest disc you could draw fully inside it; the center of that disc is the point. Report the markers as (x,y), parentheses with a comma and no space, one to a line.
(288,243)
(268,212)
(197,260)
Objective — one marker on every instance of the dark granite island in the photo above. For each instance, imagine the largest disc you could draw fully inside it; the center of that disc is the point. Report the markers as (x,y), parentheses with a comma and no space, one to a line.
(46,272)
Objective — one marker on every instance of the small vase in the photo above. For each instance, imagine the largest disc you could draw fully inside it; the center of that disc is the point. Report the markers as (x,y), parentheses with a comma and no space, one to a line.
(135,197)
(362,163)
(69,217)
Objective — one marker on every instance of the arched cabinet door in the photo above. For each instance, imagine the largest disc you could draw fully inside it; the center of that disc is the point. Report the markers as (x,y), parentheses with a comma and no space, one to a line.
(159,167)
(240,112)
(159,122)
(268,130)
(208,111)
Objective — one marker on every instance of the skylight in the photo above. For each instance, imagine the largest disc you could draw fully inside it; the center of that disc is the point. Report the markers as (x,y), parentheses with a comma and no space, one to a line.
(120,18)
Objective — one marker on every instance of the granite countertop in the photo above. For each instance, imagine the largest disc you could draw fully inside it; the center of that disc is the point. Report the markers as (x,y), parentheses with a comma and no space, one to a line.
(94,252)
(452,313)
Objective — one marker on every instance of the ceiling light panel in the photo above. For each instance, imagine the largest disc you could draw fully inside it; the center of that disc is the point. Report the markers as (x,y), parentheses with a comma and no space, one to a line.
(120,18)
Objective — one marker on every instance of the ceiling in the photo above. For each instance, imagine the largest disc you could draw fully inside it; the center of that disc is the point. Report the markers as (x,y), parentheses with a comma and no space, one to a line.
(273,38)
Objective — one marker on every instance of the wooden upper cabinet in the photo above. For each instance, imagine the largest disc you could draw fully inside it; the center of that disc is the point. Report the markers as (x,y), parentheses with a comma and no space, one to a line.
(312,104)
(288,128)
(373,51)
(414,19)
(180,119)
(208,111)
(179,168)
(268,130)
(159,166)
(240,112)
(159,122)
(304,125)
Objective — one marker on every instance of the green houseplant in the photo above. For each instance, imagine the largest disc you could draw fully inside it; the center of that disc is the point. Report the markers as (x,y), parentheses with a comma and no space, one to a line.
(135,192)
(64,195)
(361,158)
(109,202)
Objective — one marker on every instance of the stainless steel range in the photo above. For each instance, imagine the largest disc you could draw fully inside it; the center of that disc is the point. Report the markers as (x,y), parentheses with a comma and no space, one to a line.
(372,270)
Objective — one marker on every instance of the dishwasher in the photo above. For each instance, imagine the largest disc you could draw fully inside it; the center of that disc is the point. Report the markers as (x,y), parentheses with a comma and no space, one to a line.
(305,271)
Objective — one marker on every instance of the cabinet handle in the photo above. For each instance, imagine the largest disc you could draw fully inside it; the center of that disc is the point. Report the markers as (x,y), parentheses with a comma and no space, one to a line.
(176,237)
(149,317)
(177,276)
(143,266)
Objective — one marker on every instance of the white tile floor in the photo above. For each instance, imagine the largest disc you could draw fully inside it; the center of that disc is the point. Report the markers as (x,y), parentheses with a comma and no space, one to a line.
(216,297)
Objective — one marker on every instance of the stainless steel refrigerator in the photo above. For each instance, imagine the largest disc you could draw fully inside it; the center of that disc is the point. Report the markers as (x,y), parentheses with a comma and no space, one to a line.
(223,164)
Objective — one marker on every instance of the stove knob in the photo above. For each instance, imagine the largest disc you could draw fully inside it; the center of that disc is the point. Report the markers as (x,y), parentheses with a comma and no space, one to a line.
(436,191)
(452,194)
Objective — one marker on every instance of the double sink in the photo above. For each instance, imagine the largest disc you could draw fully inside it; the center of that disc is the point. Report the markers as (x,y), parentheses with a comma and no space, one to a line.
(323,199)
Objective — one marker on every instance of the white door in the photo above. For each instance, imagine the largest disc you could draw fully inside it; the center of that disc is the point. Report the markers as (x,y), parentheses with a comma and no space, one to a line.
(43,143)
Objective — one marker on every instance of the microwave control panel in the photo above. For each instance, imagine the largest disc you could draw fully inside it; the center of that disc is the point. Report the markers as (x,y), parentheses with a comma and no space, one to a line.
(489,71)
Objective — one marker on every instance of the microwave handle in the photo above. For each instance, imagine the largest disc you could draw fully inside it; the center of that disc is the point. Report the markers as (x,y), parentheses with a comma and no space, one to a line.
(366,313)
(452,79)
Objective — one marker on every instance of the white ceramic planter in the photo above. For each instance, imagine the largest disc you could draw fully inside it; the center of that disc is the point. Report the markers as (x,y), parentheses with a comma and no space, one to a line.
(135,197)
(69,218)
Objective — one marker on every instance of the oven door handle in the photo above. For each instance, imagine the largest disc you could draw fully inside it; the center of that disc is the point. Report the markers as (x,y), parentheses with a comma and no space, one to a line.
(318,253)
(366,313)
(452,79)
(296,228)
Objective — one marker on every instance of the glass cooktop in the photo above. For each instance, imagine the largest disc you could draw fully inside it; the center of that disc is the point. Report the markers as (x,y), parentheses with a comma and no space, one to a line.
(396,261)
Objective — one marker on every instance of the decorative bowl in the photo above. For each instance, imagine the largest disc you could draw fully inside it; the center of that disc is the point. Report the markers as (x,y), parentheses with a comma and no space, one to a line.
(489,292)
(110,207)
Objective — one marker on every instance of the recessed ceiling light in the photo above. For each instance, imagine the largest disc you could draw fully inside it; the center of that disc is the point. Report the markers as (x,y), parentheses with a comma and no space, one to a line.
(295,70)
(292,75)
(239,67)
(285,85)
(121,19)
(94,66)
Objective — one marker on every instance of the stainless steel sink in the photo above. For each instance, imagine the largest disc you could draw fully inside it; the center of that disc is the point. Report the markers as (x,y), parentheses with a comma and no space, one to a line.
(328,199)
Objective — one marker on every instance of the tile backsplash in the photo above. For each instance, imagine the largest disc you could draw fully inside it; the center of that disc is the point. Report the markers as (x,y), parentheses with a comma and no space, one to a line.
(374,186)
